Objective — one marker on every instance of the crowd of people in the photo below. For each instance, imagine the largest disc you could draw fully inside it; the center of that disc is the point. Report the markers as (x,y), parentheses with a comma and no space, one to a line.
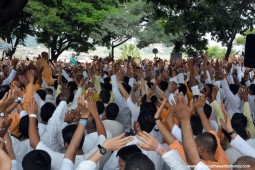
(128,115)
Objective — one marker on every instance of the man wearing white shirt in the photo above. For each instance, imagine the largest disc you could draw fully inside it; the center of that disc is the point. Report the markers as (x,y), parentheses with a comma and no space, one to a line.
(146,123)
(111,112)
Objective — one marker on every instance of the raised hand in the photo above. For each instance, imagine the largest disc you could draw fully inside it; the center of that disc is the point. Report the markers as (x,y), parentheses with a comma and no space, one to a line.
(149,142)
(5,123)
(32,107)
(226,123)
(215,90)
(30,76)
(117,142)
(158,113)
(65,92)
(182,109)
(7,100)
(200,102)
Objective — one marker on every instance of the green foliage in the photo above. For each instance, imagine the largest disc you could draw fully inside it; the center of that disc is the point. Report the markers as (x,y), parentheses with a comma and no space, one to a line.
(63,25)
(217,52)
(240,40)
(130,50)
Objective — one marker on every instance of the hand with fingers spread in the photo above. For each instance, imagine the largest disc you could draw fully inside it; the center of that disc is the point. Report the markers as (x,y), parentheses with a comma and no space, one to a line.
(199,102)
(182,109)
(149,143)
(117,142)
(69,117)
(136,86)
(7,100)
(32,107)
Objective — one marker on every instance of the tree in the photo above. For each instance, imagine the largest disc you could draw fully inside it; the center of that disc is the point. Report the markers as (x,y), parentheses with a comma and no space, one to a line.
(227,18)
(9,9)
(128,20)
(16,31)
(130,50)
(65,24)
(240,40)
(194,18)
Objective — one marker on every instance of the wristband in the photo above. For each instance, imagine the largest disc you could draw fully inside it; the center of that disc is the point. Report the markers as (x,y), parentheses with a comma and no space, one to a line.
(33,115)
(83,122)
(159,147)
(200,109)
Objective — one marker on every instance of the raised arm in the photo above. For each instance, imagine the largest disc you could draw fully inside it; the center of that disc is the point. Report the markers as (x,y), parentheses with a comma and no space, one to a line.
(76,139)
(199,105)
(168,137)
(183,113)
(34,137)
(122,89)
(99,124)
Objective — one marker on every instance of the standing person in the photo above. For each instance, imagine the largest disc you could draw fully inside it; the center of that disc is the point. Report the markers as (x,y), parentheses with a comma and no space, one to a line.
(42,64)
(73,60)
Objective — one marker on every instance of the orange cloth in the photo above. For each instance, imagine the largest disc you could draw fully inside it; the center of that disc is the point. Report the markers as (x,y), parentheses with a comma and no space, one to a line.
(47,72)
(219,155)
(164,115)
(14,128)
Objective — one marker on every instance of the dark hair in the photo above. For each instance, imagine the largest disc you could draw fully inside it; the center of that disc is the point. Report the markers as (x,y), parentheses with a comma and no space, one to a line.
(72,86)
(139,162)
(100,107)
(107,80)
(44,54)
(239,123)
(49,91)
(3,90)
(210,86)
(154,99)
(146,116)
(23,126)
(208,141)
(105,96)
(244,160)
(182,88)
(67,134)
(47,111)
(125,79)
(41,93)
(127,87)
(112,111)
(55,84)
(207,110)
(196,124)
(126,152)
(234,88)
(163,85)
(252,89)
(37,159)
(106,86)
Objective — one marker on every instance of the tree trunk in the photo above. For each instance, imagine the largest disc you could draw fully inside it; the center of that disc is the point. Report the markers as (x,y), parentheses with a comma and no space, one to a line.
(10,53)
(229,47)
(113,52)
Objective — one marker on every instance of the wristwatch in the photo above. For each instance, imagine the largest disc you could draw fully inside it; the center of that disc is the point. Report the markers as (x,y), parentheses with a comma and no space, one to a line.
(232,132)
(2,114)
(158,118)
(102,150)
(18,100)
